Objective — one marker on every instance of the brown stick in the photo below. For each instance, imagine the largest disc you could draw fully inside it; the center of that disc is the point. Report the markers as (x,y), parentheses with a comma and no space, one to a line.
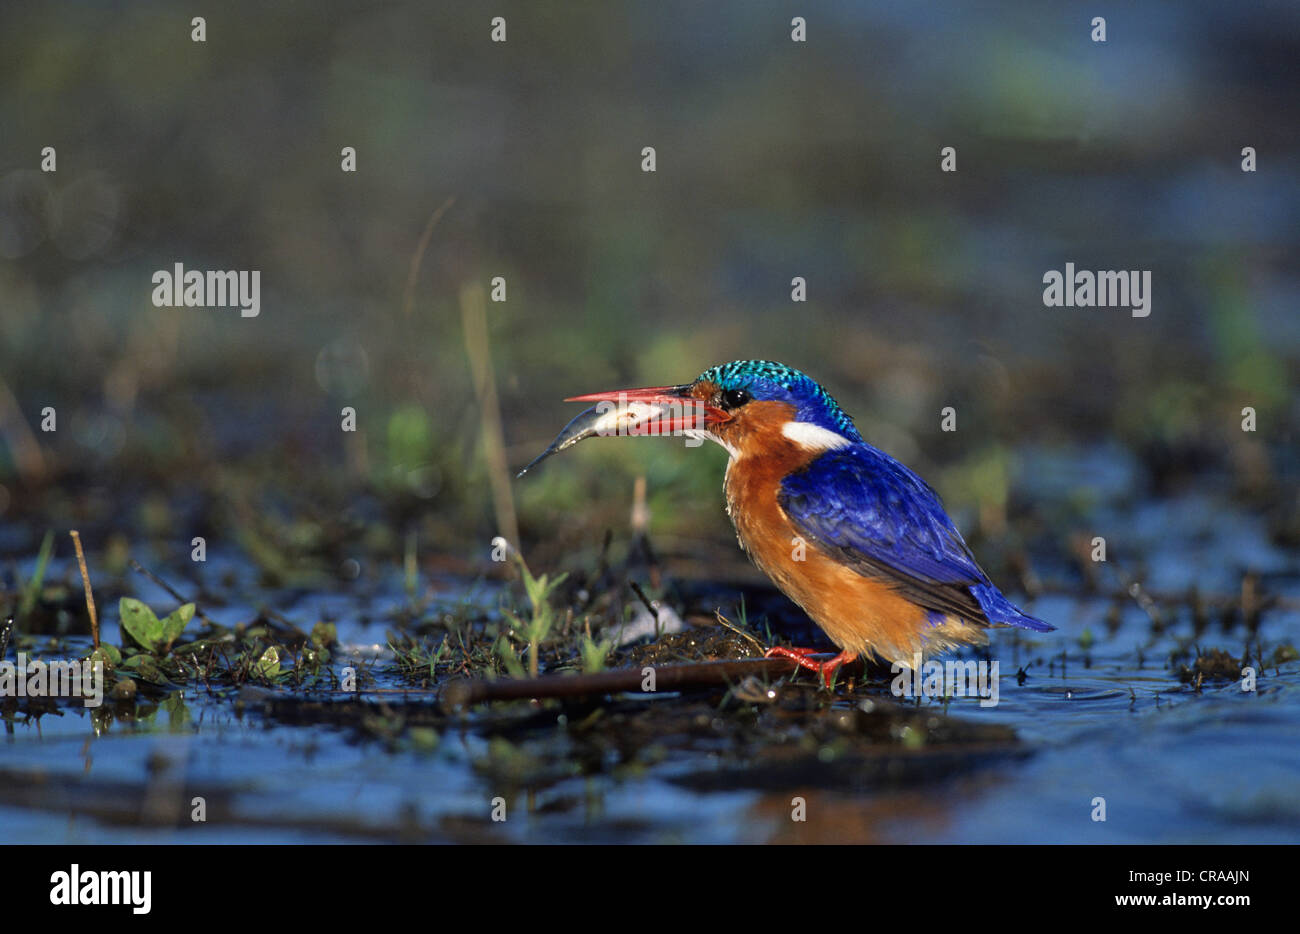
(85,583)
(666,678)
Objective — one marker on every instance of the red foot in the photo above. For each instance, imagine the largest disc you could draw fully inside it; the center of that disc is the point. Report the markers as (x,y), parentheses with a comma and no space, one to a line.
(826,669)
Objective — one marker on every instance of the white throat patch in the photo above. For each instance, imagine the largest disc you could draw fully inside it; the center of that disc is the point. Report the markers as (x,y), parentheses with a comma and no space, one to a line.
(812,437)
(701,435)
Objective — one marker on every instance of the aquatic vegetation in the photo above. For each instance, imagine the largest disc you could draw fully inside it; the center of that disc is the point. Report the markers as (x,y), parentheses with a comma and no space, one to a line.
(539,624)
(149,632)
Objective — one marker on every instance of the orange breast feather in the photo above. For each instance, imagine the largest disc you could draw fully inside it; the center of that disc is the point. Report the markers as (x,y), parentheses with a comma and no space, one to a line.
(859,614)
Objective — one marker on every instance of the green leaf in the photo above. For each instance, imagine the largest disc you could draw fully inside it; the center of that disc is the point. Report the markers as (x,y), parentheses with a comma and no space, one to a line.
(594,654)
(32,589)
(175,624)
(324,634)
(268,666)
(198,645)
(140,622)
(146,666)
(423,738)
(535,587)
(178,715)
(508,657)
(107,654)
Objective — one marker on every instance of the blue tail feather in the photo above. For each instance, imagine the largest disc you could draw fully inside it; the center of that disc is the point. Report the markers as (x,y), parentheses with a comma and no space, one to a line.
(1000,610)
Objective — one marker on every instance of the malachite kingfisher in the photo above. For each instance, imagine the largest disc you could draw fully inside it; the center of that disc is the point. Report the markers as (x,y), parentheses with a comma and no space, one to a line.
(851,535)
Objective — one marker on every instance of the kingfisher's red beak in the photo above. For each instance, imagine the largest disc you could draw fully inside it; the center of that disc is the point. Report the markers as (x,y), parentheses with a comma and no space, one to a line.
(658,411)
(680,410)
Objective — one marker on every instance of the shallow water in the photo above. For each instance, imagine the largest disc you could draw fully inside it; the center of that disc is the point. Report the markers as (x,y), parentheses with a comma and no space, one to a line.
(1111,721)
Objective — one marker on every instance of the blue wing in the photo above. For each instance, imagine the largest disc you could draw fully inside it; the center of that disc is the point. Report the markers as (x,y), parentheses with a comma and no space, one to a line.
(870,512)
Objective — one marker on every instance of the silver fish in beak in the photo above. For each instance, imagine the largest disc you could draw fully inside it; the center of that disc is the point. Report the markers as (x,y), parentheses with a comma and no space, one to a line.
(660,410)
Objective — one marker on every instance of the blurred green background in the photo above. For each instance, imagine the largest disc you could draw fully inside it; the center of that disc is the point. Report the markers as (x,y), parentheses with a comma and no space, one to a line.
(775,159)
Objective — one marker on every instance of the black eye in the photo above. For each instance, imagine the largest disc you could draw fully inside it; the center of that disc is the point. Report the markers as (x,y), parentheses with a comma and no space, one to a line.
(735,398)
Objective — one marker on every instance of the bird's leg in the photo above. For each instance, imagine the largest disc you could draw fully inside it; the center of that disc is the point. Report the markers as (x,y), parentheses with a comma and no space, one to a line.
(800,656)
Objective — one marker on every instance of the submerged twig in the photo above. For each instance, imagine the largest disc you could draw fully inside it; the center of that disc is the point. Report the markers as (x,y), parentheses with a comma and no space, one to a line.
(632,680)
